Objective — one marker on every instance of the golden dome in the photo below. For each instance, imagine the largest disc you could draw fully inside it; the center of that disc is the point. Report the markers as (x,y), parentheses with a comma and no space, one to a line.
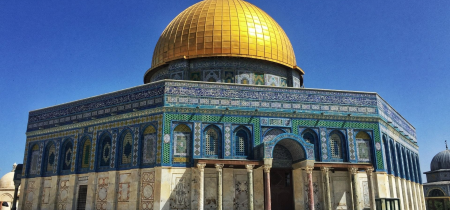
(232,28)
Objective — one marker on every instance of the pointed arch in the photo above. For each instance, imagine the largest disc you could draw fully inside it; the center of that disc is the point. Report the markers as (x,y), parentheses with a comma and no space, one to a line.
(394,157)
(50,157)
(242,142)
(67,155)
(337,145)
(363,147)
(84,159)
(104,152)
(149,137)
(125,147)
(181,144)
(33,159)
(212,141)
(311,137)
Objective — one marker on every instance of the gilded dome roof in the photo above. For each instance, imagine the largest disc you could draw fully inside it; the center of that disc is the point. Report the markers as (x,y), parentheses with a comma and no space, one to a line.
(233,28)
(441,161)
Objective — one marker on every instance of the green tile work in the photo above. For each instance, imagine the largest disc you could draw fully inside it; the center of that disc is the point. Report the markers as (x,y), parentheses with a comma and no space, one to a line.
(344,124)
(168,117)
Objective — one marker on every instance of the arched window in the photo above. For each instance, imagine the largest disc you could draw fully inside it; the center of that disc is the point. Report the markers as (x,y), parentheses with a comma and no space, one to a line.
(336,145)
(181,145)
(436,193)
(34,158)
(311,137)
(212,140)
(149,148)
(67,154)
(363,147)
(271,134)
(105,151)
(241,142)
(126,148)
(50,157)
(85,157)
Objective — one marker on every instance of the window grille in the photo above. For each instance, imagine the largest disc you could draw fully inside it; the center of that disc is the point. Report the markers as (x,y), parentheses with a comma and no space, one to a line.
(51,157)
(68,152)
(82,196)
(86,154)
(127,142)
(335,146)
(212,139)
(241,143)
(105,153)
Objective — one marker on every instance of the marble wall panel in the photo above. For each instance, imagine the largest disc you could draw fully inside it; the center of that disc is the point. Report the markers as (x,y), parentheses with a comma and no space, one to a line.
(180,198)
(210,192)
(147,190)
(240,190)
(341,198)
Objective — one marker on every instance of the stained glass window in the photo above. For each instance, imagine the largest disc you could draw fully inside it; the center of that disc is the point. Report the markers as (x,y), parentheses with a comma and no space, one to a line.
(34,159)
(336,146)
(241,142)
(126,147)
(182,139)
(51,157)
(105,152)
(149,145)
(212,140)
(363,146)
(85,162)
(68,152)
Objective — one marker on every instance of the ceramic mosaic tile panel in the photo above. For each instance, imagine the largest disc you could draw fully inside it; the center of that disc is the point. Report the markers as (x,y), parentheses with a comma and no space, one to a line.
(229,76)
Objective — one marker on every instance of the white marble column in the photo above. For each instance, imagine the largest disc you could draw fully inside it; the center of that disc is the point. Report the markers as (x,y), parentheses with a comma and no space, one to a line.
(326,184)
(371,188)
(250,185)
(355,190)
(219,168)
(267,196)
(201,168)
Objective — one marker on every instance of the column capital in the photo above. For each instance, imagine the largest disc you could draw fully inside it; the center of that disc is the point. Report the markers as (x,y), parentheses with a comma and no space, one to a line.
(201,166)
(309,169)
(325,169)
(219,167)
(267,168)
(369,171)
(353,170)
(249,167)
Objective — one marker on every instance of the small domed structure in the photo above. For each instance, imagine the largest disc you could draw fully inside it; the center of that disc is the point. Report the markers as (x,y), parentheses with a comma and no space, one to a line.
(441,161)
(7,188)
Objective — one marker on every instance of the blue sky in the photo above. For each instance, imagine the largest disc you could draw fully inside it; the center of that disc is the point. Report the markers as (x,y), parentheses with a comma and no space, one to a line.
(52,52)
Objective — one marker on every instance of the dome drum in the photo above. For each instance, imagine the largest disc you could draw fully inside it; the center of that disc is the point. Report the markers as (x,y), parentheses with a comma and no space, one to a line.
(228,70)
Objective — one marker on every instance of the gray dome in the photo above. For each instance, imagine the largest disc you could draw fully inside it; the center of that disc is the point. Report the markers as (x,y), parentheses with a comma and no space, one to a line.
(441,161)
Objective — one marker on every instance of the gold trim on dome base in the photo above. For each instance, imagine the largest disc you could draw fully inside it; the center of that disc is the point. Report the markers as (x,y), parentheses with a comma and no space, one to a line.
(233,28)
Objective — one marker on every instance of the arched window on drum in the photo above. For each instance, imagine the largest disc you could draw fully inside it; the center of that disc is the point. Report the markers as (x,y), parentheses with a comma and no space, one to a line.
(126,148)
(149,145)
(212,139)
(104,156)
(363,147)
(67,155)
(85,157)
(34,158)
(310,136)
(50,158)
(181,145)
(242,142)
(436,193)
(337,146)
